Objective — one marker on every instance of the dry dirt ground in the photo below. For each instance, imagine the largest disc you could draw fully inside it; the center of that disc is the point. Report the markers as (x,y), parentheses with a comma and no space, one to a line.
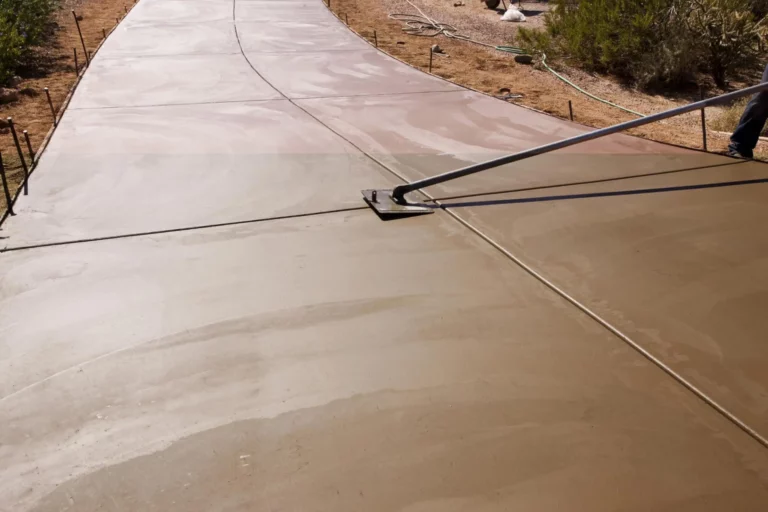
(489,71)
(57,72)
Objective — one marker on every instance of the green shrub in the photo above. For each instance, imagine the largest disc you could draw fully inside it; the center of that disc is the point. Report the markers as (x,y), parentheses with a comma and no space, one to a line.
(759,8)
(652,42)
(32,18)
(11,44)
(729,32)
(24,24)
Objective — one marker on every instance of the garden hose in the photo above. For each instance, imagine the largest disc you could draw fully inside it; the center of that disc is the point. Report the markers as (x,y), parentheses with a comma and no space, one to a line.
(544,63)
(424,26)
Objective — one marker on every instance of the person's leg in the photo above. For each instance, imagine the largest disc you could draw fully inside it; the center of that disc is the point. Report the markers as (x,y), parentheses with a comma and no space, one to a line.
(746,134)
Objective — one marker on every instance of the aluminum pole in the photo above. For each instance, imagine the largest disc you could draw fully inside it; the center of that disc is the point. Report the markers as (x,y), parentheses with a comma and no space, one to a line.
(398,193)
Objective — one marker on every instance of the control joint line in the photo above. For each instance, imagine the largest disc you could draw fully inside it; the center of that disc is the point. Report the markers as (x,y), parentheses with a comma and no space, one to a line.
(180,230)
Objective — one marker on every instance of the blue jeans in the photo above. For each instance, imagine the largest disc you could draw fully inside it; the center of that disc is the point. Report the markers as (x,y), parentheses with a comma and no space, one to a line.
(746,134)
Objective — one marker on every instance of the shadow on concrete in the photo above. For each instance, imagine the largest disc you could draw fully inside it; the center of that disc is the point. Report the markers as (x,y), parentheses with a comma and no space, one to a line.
(589,182)
(640,191)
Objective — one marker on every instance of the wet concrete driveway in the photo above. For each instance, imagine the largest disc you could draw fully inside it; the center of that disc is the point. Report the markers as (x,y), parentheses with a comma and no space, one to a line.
(197,312)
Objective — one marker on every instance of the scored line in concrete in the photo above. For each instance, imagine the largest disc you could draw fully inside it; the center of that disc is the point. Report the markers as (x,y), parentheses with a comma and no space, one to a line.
(180,229)
(159,105)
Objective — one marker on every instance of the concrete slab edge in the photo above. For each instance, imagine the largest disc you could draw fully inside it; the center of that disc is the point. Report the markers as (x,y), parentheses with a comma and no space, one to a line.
(526,107)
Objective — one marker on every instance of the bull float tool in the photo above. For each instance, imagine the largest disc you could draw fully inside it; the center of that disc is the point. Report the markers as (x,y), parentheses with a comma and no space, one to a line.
(393,203)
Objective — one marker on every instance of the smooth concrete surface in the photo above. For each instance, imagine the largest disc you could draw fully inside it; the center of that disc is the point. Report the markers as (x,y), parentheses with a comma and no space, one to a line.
(336,363)
(283,10)
(152,39)
(311,36)
(679,272)
(332,361)
(682,272)
(119,171)
(180,11)
(423,135)
(171,80)
(349,73)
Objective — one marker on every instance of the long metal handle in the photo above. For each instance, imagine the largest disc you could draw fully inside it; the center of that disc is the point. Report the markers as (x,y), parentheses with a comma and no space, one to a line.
(398,193)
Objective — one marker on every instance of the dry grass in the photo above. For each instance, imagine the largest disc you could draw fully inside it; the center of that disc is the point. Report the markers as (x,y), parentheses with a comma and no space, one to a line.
(488,71)
(55,71)
(729,116)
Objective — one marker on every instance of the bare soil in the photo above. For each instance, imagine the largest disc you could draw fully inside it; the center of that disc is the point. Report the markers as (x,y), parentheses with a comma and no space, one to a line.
(489,71)
(55,70)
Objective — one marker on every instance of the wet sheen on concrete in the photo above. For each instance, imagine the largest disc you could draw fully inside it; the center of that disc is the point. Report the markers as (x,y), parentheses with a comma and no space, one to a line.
(332,361)
(306,364)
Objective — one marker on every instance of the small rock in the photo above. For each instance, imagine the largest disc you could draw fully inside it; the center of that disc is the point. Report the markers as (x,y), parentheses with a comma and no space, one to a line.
(524,59)
(436,49)
(4,124)
(15,81)
(29,91)
(79,17)
(458,4)
(8,96)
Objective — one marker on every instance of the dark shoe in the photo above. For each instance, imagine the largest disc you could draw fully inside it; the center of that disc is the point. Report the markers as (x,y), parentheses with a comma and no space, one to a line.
(736,154)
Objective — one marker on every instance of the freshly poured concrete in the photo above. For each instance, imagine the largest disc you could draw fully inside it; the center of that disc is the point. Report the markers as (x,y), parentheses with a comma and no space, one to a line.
(152,39)
(180,11)
(183,166)
(171,80)
(284,11)
(341,363)
(678,271)
(315,36)
(350,73)
(682,272)
(332,361)
(423,135)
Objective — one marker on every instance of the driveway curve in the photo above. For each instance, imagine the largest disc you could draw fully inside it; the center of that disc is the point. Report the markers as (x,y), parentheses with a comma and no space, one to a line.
(197,312)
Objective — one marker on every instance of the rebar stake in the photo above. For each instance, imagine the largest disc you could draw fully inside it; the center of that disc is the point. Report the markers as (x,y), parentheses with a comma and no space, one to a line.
(703,122)
(82,41)
(8,201)
(29,148)
(21,155)
(50,104)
